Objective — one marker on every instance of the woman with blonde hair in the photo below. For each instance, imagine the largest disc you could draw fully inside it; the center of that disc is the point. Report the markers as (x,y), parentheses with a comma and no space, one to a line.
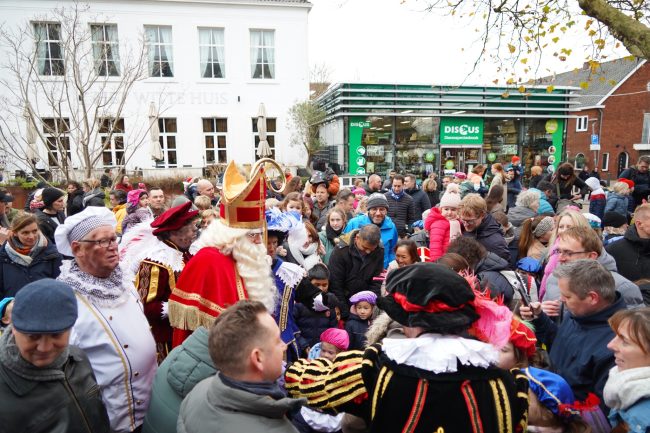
(535,176)
(499,178)
(430,187)
(93,193)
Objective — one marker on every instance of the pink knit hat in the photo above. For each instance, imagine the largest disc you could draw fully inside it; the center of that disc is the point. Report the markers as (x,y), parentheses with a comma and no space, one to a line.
(133,196)
(451,197)
(338,338)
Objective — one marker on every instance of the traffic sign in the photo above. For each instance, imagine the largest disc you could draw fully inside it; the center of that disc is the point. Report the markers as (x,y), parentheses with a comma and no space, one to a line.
(595,139)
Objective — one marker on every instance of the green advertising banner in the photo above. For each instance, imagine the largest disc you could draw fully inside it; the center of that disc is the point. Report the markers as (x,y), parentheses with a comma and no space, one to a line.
(460,130)
(356,152)
(555,128)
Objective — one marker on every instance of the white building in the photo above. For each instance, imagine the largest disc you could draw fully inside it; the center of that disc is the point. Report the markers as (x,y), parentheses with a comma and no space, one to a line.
(209,64)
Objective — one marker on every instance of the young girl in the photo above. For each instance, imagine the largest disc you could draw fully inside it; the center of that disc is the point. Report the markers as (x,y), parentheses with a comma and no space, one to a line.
(359,193)
(363,305)
(617,200)
(597,198)
(534,237)
(302,248)
(332,342)
(443,224)
(329,236)
(292,201)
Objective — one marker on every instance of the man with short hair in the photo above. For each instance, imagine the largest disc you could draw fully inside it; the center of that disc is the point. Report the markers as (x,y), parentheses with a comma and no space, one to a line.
(632,252)
(388,183)
(578,243)
(377,214)
(112,328)
(400,206)
(578,347)
(247,350)
(46,385)
(641,178)
(157,201)
(480,225)
(373,185)
(322,204)
(354,264)
(5,198)
(420,198)
(206,188)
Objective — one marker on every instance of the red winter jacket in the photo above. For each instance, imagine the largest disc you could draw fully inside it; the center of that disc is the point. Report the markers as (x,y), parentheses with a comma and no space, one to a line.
(439,232)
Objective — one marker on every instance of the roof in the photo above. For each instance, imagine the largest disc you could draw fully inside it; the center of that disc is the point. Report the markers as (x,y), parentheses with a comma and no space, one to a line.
(602,81)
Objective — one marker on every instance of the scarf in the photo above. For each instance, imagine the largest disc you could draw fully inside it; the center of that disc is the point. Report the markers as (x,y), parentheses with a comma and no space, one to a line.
(331,233)
(22,255)
(396,196)
(302,254)
(271,389)
(10,357)
(624,388)
(105,292)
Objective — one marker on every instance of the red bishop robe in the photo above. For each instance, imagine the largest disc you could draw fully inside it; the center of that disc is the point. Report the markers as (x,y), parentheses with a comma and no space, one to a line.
(207,286)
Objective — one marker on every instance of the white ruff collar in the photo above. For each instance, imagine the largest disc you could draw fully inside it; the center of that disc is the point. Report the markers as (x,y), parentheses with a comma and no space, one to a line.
(290,274)
(440,353)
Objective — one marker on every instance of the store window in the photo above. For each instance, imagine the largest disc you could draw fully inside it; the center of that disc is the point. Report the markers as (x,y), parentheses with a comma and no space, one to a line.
(501,139)
(581,123)
(215,131)
(416,145)
(537,145)
(168,130)
(377,139)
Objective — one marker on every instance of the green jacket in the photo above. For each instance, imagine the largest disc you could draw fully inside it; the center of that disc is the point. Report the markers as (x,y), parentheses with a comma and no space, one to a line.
(213,407)
(329,246)
(184,367)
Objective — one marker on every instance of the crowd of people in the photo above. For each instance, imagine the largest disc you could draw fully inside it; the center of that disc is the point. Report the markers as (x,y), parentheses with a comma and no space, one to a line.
(471,303)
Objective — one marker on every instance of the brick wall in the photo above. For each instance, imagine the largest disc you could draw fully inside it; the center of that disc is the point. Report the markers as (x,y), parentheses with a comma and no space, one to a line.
(622,124)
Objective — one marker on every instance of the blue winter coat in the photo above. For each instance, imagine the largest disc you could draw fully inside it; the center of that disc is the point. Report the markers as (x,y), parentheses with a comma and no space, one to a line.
(597,207)
(637,417)
(578,348)
(388,234)
(617,203)
(184,367)
(544,206)
(357,329)
(312,324)
(14,277)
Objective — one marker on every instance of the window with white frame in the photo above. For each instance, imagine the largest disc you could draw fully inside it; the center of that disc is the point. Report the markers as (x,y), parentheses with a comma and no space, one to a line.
(212,52)
(582,123)
(57,139)
(111,134)
(159,50)
(215,131)
(263,54)
(167,140)
(49,54)
(270,135)
(645,134)
(580,161)
(604,166)
(105,49)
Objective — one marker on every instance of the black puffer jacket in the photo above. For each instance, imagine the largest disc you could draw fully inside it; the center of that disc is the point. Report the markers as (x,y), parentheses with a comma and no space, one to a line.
(66,400)
(489,270)
(350,272)
(14,276)
(632,255)
(401,211)
(75,203)
(46,225)
(420,201)
(489,235)
(312,324)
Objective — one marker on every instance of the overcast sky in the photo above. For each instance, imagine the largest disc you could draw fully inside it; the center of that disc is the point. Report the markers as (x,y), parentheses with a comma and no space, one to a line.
(392,41)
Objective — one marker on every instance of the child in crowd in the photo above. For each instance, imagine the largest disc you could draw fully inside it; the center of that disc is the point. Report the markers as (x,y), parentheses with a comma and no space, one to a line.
(207,216)
(443,224)
(332,342)
(359,193)
(597,199)
(303,247)
(361,313)
(202,203)
(292,202)
(362,206)
(617,199)
(312,310)
(614,226)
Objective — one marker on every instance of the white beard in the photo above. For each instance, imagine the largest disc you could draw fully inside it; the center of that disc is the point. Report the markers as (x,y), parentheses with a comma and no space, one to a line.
(251,260)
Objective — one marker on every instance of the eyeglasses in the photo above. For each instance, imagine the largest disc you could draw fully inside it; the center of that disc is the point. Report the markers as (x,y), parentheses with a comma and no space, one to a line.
(567,253)
(469,221)
(104,243)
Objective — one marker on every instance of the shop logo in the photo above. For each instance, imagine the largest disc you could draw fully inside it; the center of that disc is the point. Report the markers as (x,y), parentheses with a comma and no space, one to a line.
(361,170)
(361,150)
(360,124)
(461,129)
(361,160)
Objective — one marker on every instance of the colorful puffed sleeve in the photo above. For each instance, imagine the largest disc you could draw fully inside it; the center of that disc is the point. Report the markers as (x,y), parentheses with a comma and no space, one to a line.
(520,409)
(334,386)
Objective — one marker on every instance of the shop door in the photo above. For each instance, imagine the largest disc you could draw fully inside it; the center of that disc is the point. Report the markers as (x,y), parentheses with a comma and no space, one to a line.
(459,158)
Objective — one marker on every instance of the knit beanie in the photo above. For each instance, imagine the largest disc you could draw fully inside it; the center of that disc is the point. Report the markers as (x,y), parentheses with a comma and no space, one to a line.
(50,195)
(451,197)
(544,226)
(338,338)
(377,200)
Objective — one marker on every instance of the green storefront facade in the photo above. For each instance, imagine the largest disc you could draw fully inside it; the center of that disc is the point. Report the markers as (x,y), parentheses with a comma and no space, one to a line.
(420,129)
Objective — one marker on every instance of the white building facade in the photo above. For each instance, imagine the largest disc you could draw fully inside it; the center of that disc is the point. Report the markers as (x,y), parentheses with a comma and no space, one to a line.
(209,66)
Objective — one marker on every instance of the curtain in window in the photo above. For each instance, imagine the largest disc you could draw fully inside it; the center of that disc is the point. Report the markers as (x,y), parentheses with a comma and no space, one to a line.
(40,36)
(112,50)
(256,54)
(166,51)
(269,54)
(160,51)
(212,52)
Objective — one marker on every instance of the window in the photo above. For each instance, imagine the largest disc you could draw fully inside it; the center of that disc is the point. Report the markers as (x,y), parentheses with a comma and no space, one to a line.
(49,55)
(159,48)
(215,131)
(263,54)
(270,136)
(57,138)
(167,143)
(105,49)
(581,123)
(211,46)
(645,134)
(580,161)
(605,163)
(111,134)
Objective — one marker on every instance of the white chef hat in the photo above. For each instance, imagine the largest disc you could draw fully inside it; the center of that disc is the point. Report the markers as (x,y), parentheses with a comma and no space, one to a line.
(77,226)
